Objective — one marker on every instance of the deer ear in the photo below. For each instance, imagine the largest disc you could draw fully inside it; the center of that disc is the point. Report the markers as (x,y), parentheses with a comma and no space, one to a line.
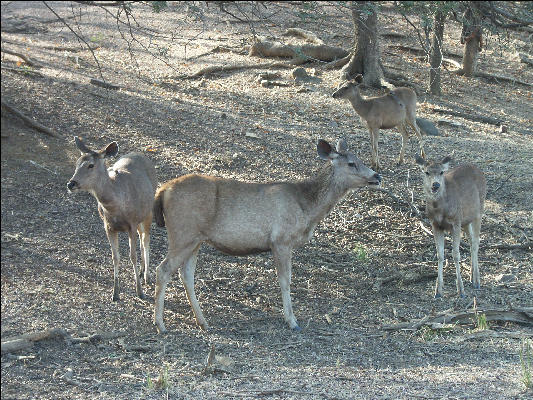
(325,151)
(111,150)
(446,162)
(341,147)
(420,161)
(81,146)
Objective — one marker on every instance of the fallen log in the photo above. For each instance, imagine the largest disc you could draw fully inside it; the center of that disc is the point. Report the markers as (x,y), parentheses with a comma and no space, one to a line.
(469,116)
(516,315)
(27,340)
(233,67)
(299,54)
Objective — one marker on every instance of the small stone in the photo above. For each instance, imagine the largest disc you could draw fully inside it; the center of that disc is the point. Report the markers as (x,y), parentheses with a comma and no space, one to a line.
(503,128)
(299,73)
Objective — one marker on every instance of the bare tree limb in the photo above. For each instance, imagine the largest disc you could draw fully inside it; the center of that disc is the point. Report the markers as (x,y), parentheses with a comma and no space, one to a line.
(26,59)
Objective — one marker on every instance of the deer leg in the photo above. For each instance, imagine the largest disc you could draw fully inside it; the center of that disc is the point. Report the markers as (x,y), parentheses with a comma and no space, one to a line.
(144,237)
(412,122)
(438,235)
(133,259)
(405,140)
(187,278)
(473,229)
(456,239)
(112,236)
(163,273)
(374,136)
(282,259)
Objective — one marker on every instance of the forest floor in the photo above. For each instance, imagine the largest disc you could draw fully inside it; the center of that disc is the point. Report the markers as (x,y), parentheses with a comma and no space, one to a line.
(56,269)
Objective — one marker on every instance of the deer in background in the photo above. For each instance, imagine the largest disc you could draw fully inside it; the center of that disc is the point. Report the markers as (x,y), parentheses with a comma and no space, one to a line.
(454,200)
(395,109)
(125,195)
(241,218)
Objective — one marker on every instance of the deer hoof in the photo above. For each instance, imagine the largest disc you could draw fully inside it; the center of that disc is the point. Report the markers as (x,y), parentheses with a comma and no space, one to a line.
(296,329)
(438,296)
(476,286)
(116,297)
(160,329)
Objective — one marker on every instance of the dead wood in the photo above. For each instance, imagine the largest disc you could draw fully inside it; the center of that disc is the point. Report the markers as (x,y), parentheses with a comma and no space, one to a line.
(96,337)
(234,67)
(27,340)
(302,33)
(505,246)
(25,58)
(516,315)
(29,121)
(406,277)
(417,50)
(105,85)
(218,49)
(297,54)
(469,116)
(500,78)
(489,333)
(72,49)
(525,58)
(23,71)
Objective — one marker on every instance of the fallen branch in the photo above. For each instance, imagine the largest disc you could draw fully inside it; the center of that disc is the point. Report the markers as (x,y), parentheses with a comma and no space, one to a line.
(227,68)
(405,277)
(500,78)
(27,340)
(517,315)
(489,333)
(505,246)
(525,58)
(23,71)
(217,49)
(105,85)
(29,121)
(302,33)
(417,50)
(22,56)
(469,116)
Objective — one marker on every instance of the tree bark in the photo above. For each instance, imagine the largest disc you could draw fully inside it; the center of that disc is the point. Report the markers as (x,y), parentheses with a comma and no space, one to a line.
(436,54)
(471,36)
(365,57)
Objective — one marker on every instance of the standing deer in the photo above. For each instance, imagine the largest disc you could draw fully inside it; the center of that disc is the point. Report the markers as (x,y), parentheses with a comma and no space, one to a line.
(241,218)
(125,195)
(454,200)
(395,109)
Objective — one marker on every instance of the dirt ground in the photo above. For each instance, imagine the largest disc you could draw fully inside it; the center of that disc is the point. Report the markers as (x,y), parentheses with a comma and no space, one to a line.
(56,269)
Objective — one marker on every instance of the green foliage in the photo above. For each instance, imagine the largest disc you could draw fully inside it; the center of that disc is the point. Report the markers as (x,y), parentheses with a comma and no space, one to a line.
(481,322)
(427,334)
(158,6)
(360,252)
(526,358)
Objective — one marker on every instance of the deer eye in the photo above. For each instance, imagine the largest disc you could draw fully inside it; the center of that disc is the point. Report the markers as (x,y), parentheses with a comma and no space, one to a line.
(427,173)
(441,172)
(90,166)
(352,164)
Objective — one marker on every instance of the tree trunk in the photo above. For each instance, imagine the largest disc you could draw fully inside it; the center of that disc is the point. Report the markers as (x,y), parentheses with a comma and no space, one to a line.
(471,36)
(436,54)
(365,58)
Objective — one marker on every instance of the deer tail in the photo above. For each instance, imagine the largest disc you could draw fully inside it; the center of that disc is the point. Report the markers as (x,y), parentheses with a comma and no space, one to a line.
(158,207)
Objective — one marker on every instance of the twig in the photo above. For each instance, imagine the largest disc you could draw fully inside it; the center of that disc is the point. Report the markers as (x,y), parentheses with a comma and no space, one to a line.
(103,84)
(30,121)
(22,56)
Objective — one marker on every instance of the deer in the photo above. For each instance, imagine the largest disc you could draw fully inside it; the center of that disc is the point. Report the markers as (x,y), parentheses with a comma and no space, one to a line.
(455,200)
(395,109)
(125,195)
(244,218)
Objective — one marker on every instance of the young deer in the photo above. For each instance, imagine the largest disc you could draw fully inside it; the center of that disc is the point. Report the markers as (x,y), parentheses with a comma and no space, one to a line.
(454,200)
(396,109)
(125,195)
(241,218)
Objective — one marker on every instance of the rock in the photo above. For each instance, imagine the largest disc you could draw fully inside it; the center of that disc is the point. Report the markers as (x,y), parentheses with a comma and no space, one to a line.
(333,124)
(506,278)
(503,128)
(299,73)
(427,127)
(251,135)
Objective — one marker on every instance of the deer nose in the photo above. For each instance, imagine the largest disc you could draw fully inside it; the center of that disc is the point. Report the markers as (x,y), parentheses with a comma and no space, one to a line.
(71,185)
(378,177)
(435,186)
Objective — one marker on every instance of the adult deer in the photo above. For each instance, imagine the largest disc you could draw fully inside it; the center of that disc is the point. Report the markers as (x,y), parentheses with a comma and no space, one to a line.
(395,109)
(241,218)
(125,195)
(454,199)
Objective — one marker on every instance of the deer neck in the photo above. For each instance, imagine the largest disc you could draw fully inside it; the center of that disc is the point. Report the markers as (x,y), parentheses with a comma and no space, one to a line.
(321,194)
(360,104)
(105,190)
